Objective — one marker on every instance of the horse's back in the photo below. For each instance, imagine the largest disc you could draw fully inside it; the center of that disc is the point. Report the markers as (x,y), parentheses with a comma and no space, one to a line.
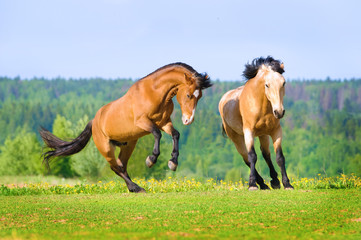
(116,122)
(230,96)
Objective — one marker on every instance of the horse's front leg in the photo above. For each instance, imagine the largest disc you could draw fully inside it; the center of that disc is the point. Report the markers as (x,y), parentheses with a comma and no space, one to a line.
(169,129)
(252,158)
(149,126)
(277,140)
(264,141)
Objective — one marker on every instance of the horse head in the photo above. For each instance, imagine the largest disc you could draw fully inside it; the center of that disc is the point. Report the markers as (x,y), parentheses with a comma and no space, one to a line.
(274,84)
(189,94)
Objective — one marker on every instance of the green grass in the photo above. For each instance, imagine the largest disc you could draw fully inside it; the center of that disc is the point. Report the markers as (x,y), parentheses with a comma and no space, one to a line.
(277,214)
(53,208)
(51,185)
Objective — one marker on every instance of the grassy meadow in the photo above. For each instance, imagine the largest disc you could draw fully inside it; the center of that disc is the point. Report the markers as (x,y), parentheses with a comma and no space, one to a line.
(318,208)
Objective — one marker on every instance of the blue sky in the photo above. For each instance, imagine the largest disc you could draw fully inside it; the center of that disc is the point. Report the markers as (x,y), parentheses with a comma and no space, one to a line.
(129,39)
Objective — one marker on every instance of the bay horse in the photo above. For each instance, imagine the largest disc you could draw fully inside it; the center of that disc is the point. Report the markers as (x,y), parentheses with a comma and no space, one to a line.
(146,108)
(255,110)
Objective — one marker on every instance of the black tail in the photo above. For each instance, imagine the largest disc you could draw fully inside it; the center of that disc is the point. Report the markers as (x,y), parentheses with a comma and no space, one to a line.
(61,148)
(224,132)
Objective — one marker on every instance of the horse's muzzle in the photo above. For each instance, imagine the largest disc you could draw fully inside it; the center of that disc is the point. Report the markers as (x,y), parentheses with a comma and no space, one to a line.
(278,114)
(187,120)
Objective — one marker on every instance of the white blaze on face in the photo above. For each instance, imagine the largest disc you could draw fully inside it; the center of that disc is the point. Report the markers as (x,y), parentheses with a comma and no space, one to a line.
(188,120)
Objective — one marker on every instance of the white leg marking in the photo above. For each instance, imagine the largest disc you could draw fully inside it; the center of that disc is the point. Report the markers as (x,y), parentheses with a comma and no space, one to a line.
(248,138)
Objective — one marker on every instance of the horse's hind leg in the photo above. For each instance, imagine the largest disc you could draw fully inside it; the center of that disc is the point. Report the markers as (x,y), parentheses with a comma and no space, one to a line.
(239,142)
(106,148)
(264,140)
(122,162)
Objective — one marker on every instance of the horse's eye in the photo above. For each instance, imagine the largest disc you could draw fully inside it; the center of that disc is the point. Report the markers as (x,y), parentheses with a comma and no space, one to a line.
(267,85)
(284,83)
(188,96)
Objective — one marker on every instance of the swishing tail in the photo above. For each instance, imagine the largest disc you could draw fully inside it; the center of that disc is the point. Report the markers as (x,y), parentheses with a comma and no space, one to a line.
(61,148)
(224,131)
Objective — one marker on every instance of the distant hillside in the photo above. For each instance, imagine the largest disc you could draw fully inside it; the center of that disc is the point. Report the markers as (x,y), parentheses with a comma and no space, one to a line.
(322,126)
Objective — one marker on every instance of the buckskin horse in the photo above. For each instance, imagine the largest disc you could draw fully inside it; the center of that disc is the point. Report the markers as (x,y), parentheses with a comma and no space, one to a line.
(255,110)
(146,108)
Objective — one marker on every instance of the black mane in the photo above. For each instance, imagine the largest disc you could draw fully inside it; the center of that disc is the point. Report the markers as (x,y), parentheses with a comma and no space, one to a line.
(202,79)
(252,68)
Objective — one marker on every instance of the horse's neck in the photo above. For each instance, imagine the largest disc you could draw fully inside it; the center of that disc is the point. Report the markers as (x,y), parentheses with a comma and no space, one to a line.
(166,84)
(173,77)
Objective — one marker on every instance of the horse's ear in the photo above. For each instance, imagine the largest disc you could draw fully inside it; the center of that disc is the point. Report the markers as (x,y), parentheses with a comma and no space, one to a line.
(188,79)
(282,66)
(265,68)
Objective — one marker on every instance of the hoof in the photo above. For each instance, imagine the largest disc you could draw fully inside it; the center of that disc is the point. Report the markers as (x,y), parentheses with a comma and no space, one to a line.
(141,191)
(137,189)
(264,187)
(287,186)
(172,166)
(252,188)
(275,184)
(149,162)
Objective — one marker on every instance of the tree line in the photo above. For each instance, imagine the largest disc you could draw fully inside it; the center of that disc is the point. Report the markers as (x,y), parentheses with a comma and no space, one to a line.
(321,129)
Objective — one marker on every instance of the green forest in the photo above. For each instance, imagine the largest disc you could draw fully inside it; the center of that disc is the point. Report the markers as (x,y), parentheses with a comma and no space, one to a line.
(321,129)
